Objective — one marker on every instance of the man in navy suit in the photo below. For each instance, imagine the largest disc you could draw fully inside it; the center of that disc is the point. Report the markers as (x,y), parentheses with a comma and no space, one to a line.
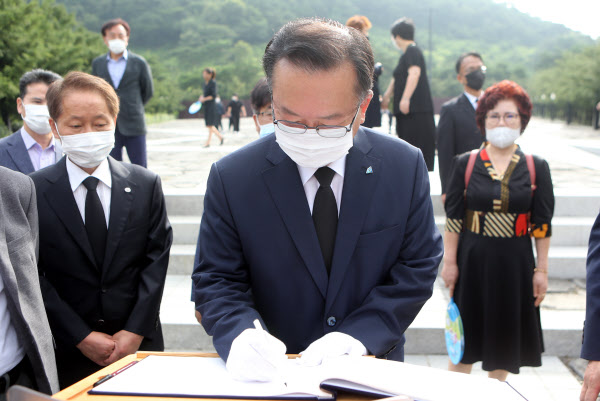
(104,236)
(131,77)
(322,234)
(457,131)
(33,146)
(590,349)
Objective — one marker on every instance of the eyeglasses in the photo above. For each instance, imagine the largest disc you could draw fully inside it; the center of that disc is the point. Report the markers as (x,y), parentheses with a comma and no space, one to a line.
(481,68)
(267,113)
(510,119)
(326,131)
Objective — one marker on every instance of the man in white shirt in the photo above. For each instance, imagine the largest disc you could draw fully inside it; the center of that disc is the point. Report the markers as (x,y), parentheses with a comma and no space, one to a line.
(457,131)
(32,147)
(322,234)
(104,236)
(26,348)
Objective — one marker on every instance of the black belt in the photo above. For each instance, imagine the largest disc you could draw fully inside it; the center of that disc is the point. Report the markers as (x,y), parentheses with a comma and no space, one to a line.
(11,377)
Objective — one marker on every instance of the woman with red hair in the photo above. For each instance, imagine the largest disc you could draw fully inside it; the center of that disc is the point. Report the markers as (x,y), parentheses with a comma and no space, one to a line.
(497,199)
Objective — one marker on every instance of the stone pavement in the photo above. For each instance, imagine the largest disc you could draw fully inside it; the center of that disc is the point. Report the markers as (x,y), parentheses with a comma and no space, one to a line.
(175,151)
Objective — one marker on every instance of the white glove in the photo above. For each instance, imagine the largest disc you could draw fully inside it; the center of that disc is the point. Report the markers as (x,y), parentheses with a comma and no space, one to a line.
(256,355)
(331,345)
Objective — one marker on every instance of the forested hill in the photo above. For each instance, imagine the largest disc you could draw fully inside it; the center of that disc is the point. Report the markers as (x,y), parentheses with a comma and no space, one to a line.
(180,37)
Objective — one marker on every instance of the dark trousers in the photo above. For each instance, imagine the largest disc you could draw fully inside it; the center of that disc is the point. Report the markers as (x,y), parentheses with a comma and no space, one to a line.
(22,374)
(135,145)
(418,129)
(235,122)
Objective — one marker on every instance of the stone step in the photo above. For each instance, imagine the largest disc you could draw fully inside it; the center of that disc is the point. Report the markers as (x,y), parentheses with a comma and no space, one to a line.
(568,204)
(562,328)
(564,262)
(566,231)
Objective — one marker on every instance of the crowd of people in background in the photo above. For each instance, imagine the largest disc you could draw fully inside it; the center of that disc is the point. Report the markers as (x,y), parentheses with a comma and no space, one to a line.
(88,237)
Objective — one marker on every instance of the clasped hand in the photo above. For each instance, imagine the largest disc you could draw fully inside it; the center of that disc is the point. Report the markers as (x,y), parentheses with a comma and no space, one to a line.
(104,349)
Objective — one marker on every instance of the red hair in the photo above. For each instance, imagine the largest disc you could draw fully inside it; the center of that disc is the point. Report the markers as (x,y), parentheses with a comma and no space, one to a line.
(504,90)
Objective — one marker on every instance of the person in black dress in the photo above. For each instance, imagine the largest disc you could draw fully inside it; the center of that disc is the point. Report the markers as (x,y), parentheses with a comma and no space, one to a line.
(211,116)
(413,107)
(489,265)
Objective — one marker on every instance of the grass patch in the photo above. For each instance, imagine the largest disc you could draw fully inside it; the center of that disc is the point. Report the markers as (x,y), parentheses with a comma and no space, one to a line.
(159,117)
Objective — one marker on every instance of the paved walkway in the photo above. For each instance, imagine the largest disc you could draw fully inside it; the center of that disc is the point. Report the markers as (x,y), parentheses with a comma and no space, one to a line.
(176,152)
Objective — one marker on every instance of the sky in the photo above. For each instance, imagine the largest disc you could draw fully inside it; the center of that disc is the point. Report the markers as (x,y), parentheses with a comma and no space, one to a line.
(578,15)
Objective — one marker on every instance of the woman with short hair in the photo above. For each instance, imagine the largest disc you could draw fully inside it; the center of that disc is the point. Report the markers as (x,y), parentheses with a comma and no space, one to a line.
(497,199)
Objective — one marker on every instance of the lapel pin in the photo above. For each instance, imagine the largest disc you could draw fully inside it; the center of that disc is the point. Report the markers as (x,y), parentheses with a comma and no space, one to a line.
(370,170)
(127,189)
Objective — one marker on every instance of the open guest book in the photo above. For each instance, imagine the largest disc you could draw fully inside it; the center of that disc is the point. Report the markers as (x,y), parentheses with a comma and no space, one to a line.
(200,377)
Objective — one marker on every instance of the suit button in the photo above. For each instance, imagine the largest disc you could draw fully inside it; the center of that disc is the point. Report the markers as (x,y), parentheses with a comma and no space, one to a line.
(100,323)
(331,321)
(104,290)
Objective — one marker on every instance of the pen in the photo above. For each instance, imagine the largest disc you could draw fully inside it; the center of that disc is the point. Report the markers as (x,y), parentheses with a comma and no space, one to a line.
(259,327)
(110,376)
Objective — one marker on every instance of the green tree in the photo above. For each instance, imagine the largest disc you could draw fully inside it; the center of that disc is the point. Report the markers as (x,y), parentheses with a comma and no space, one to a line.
(39,34)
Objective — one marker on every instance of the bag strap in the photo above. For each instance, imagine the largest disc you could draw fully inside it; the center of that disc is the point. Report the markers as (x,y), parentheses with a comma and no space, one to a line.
(531,168)
(470,166)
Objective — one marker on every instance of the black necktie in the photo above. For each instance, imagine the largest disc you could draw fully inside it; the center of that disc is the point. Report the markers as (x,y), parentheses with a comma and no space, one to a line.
(325,214)
(95,222)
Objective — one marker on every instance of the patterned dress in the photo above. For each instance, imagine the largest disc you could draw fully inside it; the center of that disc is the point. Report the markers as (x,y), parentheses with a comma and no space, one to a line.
(496,218)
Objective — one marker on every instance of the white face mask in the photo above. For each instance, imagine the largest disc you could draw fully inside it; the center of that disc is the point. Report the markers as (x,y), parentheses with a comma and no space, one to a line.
(36,118)
(117,46)
(266,129)
(312,150)
(502,137)
(89,149)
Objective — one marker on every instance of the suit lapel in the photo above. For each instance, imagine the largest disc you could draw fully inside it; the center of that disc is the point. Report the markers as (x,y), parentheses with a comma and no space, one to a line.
(285,186)
(19,154)
(466,105)
(360,181)
(104,72)
(122,193)
(128,67)
(60,198)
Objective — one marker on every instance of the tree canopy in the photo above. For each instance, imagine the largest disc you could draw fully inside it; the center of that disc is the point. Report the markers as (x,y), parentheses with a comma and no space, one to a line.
(180,38)
(39,35)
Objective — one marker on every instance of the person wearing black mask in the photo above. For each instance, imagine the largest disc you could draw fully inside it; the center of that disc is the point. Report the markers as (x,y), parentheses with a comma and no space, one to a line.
(457,131)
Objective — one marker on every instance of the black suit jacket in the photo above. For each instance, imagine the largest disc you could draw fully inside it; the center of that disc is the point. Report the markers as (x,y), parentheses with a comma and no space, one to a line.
(457,133)
(135,90)
(124,293)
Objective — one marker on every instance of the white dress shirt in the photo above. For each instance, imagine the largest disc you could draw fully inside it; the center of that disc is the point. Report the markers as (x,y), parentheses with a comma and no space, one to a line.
(11,351)
(311,184)
(40,158)
(472,99)
(76,178)
(116,68)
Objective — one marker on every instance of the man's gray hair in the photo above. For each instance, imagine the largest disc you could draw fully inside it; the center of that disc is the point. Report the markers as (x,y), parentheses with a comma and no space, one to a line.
(321,44)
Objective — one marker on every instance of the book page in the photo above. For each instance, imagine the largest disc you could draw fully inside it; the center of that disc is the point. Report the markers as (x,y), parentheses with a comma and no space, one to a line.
(420,382)
(206,377)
